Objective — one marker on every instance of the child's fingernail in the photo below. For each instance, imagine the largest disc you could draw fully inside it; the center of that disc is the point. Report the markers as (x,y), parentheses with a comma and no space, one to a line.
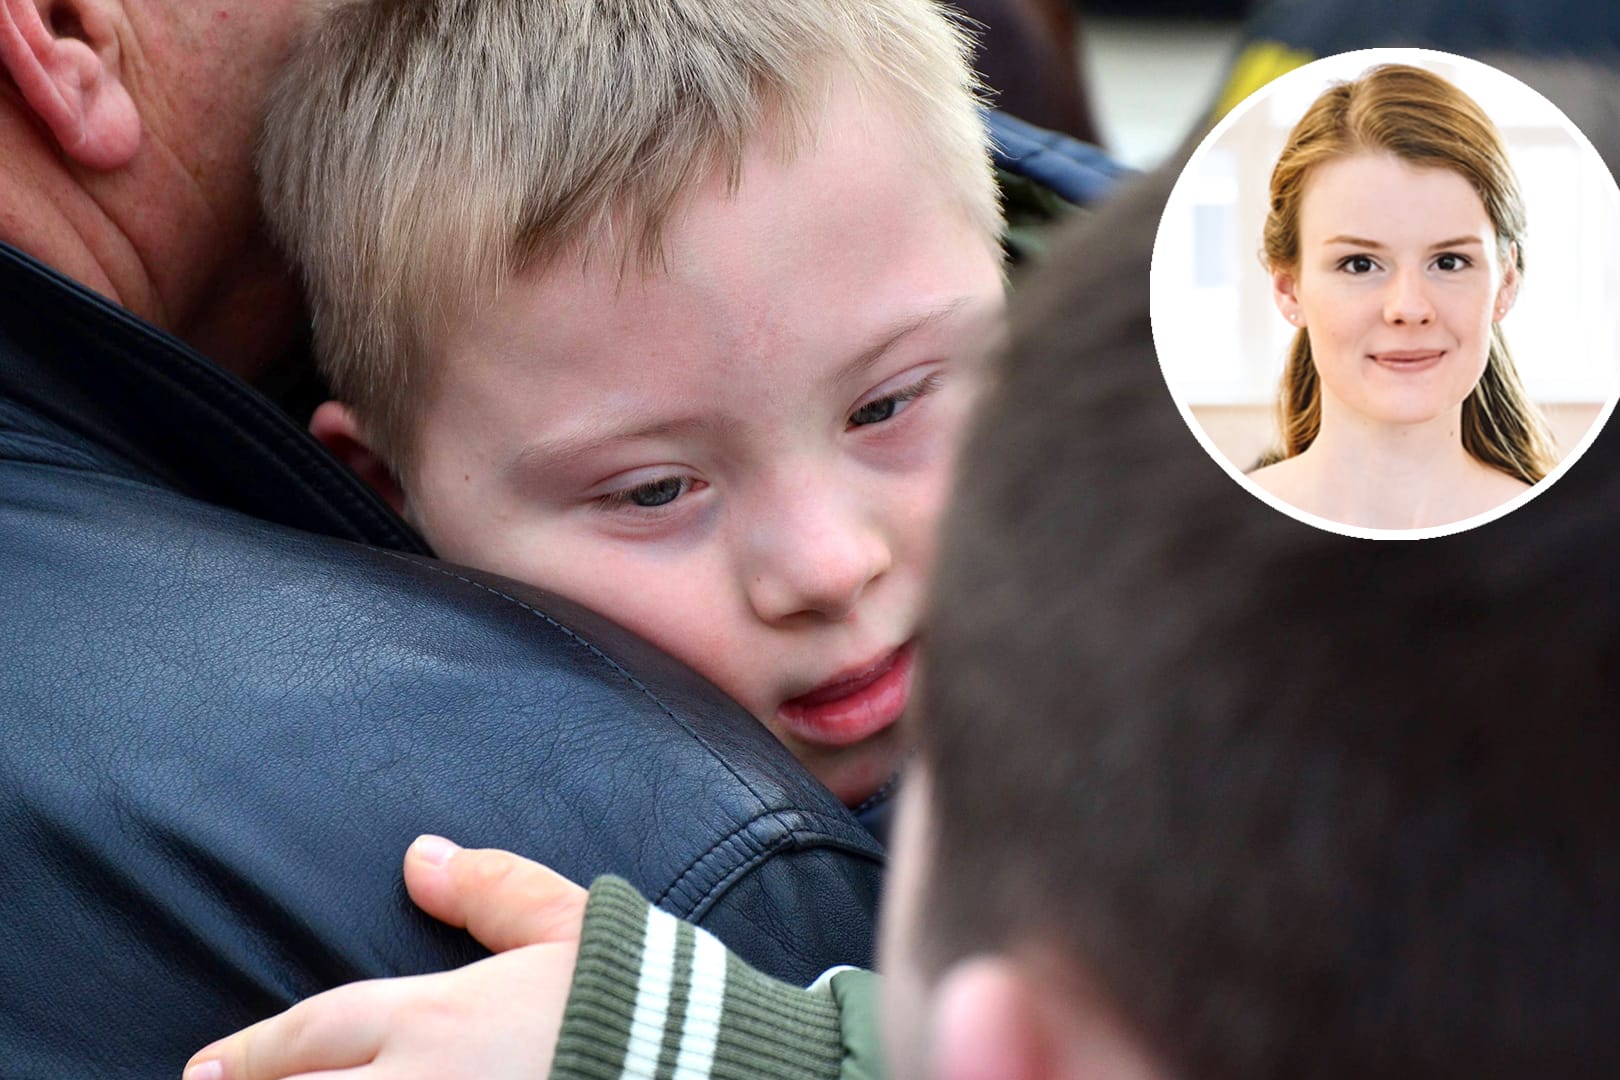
(213,1069)
(436,850)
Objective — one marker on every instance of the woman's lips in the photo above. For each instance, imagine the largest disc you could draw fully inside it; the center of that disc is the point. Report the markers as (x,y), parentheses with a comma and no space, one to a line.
(1409,360)
(847,709)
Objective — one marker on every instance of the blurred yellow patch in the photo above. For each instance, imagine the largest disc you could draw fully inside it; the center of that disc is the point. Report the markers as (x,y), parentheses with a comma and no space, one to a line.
(1257,65)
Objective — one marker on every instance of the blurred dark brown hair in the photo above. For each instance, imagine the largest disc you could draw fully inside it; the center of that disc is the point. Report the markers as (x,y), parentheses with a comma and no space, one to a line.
(1294,804)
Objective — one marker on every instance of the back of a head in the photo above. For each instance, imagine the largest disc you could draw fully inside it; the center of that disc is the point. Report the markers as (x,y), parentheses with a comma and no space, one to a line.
(1294,804)
(419,153)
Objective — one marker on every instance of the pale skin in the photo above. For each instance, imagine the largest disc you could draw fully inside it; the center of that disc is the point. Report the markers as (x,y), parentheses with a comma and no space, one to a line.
(742,455)
(1399,281)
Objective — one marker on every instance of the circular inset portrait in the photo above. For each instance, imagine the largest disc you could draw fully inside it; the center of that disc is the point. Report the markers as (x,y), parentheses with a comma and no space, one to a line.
(1383,293)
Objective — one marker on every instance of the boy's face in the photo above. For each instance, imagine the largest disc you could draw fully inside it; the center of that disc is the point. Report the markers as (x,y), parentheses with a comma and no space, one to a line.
(741,456)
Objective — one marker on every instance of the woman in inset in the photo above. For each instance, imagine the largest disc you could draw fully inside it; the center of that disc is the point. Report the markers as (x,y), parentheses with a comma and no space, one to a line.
(1395,245)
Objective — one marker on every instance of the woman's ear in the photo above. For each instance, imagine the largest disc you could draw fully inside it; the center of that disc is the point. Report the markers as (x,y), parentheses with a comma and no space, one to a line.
(64,55)
(1508,291)
(336,427)
(1285,294)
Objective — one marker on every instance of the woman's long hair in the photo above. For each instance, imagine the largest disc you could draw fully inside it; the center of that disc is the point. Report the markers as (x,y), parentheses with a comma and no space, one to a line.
(1425,121)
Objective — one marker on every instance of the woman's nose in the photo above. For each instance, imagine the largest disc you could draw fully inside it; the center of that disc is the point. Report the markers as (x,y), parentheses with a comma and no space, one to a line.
(1407,302)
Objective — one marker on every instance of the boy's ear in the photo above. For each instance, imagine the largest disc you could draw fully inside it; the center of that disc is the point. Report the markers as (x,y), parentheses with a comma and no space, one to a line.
(993,1021)
(64,56)
(335,427)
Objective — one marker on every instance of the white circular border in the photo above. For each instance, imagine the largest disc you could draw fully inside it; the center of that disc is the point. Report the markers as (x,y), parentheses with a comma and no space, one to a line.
(1157,290)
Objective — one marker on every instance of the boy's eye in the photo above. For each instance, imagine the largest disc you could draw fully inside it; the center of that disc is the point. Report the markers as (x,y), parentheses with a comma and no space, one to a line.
(650,495)
(1357,264)
(875,412)
(889,406)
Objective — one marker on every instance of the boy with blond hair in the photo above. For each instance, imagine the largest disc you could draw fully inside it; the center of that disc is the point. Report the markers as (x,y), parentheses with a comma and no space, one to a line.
(662,305)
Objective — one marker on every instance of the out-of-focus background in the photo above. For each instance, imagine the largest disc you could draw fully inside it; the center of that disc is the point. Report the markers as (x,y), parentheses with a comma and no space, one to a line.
(1143,74)
(1154,78)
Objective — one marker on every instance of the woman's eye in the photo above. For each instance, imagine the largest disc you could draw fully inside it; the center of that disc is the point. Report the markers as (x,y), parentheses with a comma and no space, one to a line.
(891,405)
(651,495)
(1451,262)
(1358,264)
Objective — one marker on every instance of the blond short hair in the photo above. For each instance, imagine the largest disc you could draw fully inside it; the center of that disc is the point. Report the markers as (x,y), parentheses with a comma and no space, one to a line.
(420,153)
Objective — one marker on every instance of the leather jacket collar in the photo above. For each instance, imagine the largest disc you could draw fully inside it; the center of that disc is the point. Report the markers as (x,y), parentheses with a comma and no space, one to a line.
(120,386)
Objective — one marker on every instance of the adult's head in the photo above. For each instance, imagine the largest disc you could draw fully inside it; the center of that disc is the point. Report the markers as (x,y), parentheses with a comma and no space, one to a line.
(126,137)
(1212,794)
(1403,153)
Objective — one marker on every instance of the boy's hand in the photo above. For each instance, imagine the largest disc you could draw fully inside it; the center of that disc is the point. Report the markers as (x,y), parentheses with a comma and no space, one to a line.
(499,1017)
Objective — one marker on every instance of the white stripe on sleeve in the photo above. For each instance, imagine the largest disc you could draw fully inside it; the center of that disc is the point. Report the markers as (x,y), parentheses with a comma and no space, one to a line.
(652,997)
(701,1032)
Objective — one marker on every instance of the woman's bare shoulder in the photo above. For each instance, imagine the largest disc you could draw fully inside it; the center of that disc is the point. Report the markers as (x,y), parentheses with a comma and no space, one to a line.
(1494,486)
(1283,478)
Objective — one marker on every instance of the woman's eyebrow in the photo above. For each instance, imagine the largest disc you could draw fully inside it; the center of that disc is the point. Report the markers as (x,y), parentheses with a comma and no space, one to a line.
(1359,241)
(1352,241)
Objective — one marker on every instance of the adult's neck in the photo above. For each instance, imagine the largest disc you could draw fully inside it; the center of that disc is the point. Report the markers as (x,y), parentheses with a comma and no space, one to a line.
(1390,476)
(150,238)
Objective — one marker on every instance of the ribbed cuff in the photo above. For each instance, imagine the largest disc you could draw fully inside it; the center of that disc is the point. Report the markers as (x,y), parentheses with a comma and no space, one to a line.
(651,993)
(602,997)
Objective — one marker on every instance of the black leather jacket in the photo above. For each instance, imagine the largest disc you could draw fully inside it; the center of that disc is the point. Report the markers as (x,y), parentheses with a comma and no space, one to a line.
(233,687)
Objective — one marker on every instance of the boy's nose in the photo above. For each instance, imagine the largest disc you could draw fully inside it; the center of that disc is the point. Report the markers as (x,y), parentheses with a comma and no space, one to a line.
(1407,302)
(817,565)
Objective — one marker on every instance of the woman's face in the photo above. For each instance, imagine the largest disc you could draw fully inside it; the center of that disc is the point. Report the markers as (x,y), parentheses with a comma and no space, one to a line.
(1398,283)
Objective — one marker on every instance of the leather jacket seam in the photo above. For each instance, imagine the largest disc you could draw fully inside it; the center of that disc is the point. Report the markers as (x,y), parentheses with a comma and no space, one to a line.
(791,836)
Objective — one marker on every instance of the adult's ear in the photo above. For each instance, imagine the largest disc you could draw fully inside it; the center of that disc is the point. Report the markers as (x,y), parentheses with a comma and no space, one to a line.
(336,427)
(1285,294)
(994,1020)
(1508,291)
(65,57)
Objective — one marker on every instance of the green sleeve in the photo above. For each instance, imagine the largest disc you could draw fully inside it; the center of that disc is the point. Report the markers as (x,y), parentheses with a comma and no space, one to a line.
(856,993)
(653,996)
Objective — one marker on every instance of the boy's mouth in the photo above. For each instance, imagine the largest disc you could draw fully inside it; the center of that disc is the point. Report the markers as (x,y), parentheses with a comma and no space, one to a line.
(854,705)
